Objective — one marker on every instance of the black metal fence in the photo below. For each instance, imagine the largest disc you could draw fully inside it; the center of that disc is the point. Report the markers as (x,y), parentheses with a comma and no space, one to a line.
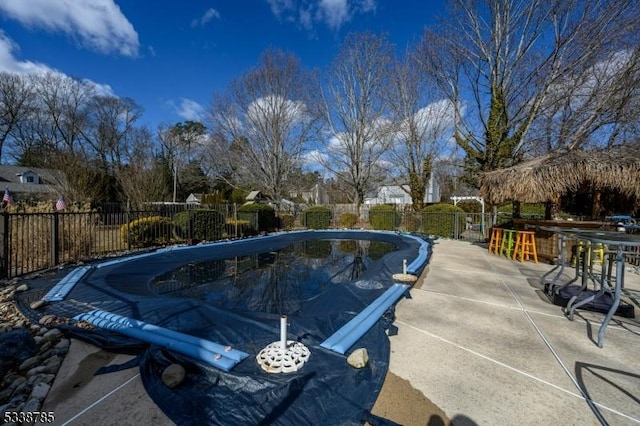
(38,241)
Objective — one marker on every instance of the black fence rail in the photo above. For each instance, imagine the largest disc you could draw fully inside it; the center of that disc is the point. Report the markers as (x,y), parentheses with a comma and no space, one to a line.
(38,241)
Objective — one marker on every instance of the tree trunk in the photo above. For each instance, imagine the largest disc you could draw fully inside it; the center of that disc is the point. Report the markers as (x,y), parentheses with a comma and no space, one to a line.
(597,205)
(516,210)
(552,208)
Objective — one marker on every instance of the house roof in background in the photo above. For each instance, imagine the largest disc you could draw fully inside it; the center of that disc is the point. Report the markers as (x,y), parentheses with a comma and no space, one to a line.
(255,196)
(50,180)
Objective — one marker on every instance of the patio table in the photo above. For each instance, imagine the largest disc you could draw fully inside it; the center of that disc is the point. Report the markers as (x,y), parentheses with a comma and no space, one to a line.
(618,245)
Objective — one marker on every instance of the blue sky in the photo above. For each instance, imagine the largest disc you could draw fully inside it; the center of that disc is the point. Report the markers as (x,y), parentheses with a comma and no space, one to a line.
(171,56)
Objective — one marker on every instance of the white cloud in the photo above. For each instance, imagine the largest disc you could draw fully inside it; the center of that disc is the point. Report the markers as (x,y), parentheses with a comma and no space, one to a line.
(9,63)
(101,89)
(305,19)
(204,19)
(434,123)
(189,109)
(332,13)
(96,24)
(337,142)
(368,5)
(314,158)
(271,109)
(278,7)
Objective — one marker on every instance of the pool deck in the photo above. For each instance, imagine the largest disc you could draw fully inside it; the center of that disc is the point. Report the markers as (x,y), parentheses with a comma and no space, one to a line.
(478,338)
(481,340)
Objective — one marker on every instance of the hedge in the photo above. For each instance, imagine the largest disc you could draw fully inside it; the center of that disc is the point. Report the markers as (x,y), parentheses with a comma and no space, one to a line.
(440,220)
(384,217)
(238,228)
(261,217)
(317,217)
(347,220)
(148,231)
(286,221)
(201,224)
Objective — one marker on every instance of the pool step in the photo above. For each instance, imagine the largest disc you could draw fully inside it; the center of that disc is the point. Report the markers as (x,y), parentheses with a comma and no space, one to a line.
(348,334)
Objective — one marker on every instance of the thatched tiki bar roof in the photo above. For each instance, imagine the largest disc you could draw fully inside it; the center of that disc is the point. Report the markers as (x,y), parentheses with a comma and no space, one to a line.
(551,176)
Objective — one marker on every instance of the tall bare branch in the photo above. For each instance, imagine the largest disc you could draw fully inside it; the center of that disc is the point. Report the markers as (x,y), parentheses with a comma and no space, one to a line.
(511,57)
(356,113)
(265,121)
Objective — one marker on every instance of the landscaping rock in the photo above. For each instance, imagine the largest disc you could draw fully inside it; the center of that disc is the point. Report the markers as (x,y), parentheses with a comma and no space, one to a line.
(37,304)
(29,363)
(173,375)
(30,353)
(40,391)
(358,358)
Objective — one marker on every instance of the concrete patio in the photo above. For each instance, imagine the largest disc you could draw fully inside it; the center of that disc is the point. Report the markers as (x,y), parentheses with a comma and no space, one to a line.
(478,338)
(482,341)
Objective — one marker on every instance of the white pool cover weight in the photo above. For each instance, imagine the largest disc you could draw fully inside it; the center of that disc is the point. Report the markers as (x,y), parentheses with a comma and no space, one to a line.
(283,356)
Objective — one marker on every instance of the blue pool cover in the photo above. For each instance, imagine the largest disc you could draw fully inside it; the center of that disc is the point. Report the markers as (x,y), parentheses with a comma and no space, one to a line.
(116,297)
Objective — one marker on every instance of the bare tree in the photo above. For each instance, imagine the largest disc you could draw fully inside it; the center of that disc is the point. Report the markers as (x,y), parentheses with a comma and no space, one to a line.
(360,131)
(110,122)
(596,107)
(423,125)
(63,107)
(16,102)
(264,121)
(69,127)
(182,146)
(140,175)
(510,56)
(54,134)
(170,151)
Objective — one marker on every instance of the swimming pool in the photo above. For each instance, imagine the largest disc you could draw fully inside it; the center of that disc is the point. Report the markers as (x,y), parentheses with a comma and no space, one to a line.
(233,293)
(281,281)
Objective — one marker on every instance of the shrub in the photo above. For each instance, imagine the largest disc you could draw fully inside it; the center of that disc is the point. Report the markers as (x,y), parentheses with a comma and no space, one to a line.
(440,220)
(470,206)
(148,231)
(200,224)
(317,217)
(412,221)
(213,198)
(238,196)
(261,217)
(347,220)
(286,221)
(384,217)
(243,228)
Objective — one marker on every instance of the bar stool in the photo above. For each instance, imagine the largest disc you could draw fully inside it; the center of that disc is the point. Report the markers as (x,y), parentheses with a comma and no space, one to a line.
(508,241)
(595,252)
(496,240)
(525,246)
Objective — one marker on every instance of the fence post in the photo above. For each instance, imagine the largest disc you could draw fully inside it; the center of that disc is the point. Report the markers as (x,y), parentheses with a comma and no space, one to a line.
(4,256)
(127,220)
(456,234)
(55,246)
(235,218)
